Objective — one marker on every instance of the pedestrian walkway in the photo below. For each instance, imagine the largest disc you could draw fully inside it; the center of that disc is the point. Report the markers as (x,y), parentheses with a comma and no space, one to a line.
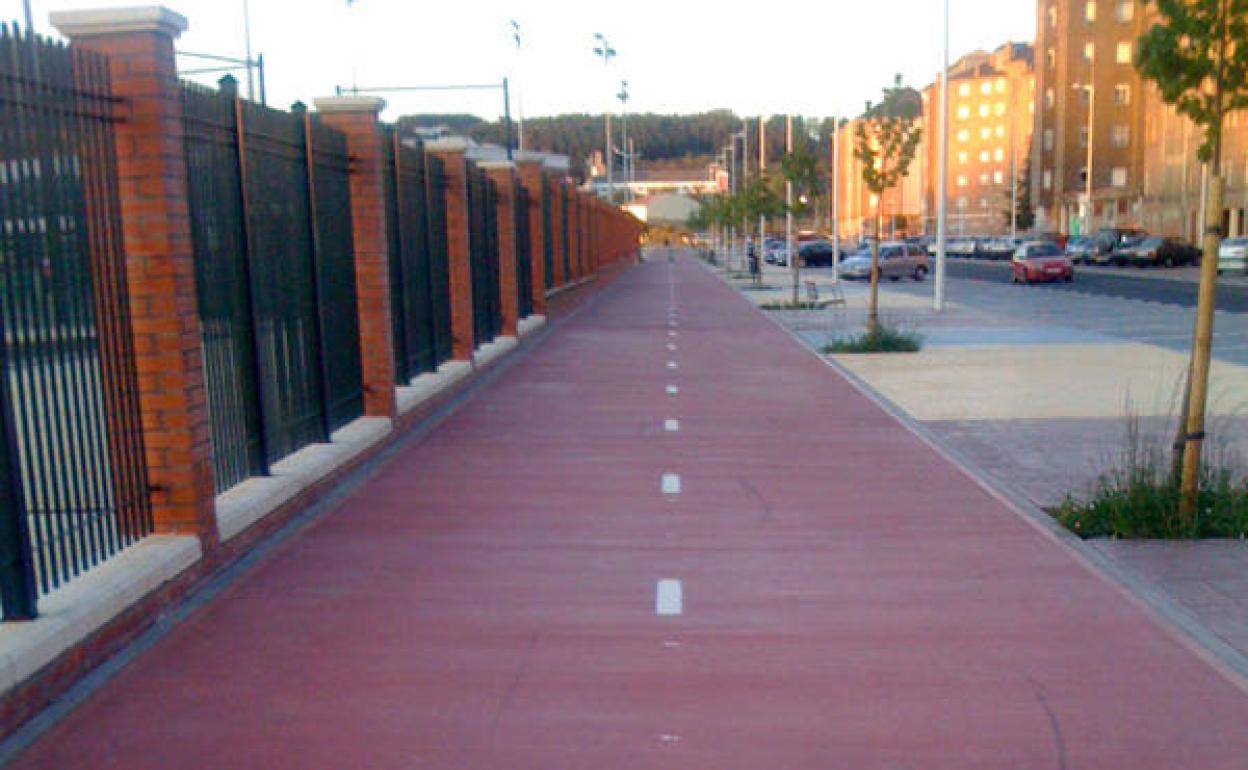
(669,537)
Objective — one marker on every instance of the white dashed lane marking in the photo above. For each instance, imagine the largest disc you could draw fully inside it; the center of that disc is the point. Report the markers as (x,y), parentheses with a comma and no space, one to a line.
(668,599)
(671,426)
(670,484)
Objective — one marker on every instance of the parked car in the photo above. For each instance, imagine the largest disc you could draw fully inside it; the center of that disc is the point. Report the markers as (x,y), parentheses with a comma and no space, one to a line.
(1037,261)
(816,254)
(1111,240)
(1233,256)
(1080,249)
(1159,251)
(1001,248)
(897,260)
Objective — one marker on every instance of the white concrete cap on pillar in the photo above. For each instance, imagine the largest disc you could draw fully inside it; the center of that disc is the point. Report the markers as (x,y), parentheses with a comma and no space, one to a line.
(350,103)
(487,165)
(449,144)
(114,21)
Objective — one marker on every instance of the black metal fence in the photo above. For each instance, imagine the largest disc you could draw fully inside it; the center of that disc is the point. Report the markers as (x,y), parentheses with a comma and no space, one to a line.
(524,251)
(565,207)
(483,256)
(72,477)
(548,238)
(272,234)
(421,323)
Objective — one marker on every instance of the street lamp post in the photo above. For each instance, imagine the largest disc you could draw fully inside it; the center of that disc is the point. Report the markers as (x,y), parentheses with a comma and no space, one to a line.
(942,178)
(625,154)
(515,35)
(836,199)
(29,16)
(1090,90)
(604,49)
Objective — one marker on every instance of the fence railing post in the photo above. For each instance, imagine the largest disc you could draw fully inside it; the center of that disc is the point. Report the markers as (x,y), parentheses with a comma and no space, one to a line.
(530,175)
(558,216)
(17,568)
(358,117)
(503,174)
(160,270)
(458,238)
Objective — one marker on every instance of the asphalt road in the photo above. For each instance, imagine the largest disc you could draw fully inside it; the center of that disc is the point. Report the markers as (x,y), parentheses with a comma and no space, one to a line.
(1232,297)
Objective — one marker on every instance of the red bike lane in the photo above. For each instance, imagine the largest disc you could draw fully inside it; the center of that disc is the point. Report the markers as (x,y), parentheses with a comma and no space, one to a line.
(666,537)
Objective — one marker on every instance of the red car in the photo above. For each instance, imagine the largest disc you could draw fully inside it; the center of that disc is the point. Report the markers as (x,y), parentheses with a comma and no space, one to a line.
(1036,261)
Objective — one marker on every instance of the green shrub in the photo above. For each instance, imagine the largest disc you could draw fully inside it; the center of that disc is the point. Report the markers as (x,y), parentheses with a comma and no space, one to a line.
(886,339)
(1139,498)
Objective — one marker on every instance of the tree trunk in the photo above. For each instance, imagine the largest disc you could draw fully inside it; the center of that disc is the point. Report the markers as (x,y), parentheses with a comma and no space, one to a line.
(873,305)
(1202,350)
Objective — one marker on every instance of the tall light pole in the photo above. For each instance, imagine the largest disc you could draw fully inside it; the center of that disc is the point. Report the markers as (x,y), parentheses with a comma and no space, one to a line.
(1090,90)
(29,16)
(942,178)
(836,199)
(762,168)
(604,49)
(251,80)
(515,36)
(626,155)
(788,207)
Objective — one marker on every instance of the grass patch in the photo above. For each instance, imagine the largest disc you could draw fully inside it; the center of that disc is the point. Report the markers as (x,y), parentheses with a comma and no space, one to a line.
(1138,499)
(788,304)
(886,339)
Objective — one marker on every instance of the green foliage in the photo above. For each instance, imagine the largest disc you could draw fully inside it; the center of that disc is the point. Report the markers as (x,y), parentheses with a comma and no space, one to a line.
(885,339)
(759,198)
(802,167)
(1140,499)
(888,136)
(1180,55)
(1025,214)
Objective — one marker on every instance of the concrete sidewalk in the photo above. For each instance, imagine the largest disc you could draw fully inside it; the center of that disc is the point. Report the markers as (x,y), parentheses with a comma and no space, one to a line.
(669,537)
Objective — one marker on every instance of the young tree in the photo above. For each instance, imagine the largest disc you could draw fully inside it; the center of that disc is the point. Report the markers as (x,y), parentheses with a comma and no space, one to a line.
(1019,213)
(886,139)
(801,169)
(1197,54)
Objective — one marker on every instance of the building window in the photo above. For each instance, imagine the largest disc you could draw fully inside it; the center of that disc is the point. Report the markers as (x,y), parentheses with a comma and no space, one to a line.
(964,112)
(1085,96)
(1120,136)
(985,88)
(1051,57)
(962,181)
(984,110)
(1046,180)
(1052,15)
(984,179)
(1083,136)
(999,109)
(998,177)
(1089,51)
(964,89)
(1125,11)
(962,201)
(963,157)
(1124,52)
(999,155)
(1118,177)
(1122,94)
(963,135)
(985,132)
(1048,139)
(1049,98)
(984,156)
(1089,10)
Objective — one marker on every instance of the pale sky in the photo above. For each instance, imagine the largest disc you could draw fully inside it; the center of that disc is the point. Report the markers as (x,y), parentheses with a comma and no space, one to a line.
(808,58)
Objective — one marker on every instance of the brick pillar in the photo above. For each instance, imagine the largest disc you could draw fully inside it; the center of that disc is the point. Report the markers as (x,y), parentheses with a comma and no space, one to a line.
(556,227)
(159,258)
(503,175)
(451,151)
(358,118)
(530,173)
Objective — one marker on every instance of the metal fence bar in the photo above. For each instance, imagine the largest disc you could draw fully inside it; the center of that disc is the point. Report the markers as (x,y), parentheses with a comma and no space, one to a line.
(439,257)
(524,251)
(73,466)
(548,237)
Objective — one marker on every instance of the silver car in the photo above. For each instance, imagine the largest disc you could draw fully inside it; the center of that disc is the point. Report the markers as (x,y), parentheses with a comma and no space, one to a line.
(1233,256)
(897,260)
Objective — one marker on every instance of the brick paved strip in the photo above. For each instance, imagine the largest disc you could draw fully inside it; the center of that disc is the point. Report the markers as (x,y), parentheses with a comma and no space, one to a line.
(848,599)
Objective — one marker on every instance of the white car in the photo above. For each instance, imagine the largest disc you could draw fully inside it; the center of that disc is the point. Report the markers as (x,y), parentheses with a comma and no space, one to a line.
(1233,256)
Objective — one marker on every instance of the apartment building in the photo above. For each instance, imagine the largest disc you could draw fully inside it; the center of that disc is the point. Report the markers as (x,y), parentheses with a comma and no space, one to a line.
(902,207)
(1089,112)
(992,101)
